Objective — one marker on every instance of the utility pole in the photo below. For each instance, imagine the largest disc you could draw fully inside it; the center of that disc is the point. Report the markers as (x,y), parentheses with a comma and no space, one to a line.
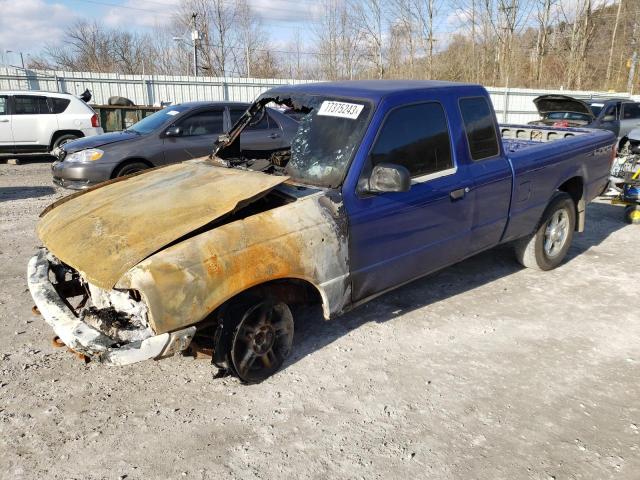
(634,56)
(195,36)
(248,61)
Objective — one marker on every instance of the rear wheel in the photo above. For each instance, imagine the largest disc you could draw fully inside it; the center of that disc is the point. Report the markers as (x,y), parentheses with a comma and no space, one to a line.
(547,247)
(62,139)
(261,341)
(632,214)
(129,168)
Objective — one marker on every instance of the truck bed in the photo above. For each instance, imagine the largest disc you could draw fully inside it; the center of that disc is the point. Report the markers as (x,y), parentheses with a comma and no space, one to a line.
(539,156)
(518,137)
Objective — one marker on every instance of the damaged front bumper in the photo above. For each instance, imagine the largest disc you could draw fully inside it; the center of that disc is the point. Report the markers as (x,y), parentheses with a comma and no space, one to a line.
(83,338)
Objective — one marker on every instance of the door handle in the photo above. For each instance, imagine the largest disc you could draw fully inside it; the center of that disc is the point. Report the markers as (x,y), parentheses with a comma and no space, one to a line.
(459,193)
(274,135)
(4,120)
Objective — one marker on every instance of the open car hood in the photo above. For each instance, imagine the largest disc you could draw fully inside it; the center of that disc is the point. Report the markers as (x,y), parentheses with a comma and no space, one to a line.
(105,231)
(561,103)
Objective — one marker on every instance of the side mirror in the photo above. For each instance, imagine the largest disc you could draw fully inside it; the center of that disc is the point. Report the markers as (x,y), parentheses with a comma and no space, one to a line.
(609,118)
(388,177)
(173,131)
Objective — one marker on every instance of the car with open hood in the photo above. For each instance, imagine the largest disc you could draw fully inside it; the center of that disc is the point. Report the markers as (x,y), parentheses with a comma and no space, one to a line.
(384,182)
(617,115)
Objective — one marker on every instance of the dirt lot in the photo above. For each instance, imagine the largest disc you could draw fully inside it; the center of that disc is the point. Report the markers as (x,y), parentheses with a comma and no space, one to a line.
(485,370)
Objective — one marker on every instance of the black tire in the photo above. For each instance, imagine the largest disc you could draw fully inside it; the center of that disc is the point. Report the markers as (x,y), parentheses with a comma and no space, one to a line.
(62,139)
(129,168)
(546,248)
(261,339)
(632,214)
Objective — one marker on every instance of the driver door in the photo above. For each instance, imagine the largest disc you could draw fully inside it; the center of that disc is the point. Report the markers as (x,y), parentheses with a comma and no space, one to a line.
(198,132)
(396,237)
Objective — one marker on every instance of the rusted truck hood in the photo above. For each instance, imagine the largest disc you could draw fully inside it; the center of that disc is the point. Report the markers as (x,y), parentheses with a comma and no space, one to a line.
(104,232)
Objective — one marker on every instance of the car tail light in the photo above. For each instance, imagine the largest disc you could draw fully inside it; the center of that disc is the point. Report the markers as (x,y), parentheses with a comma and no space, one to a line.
(95,122)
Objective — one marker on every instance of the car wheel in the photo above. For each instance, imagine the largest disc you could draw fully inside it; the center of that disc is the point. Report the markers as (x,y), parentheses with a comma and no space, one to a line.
(632,214)
(547,247)
(129,168)
(262,340)
(62,139)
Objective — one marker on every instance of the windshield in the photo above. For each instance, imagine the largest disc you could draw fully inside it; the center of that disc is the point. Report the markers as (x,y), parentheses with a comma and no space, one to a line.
(329,131)
(596,108)
(568,116)
(150,123)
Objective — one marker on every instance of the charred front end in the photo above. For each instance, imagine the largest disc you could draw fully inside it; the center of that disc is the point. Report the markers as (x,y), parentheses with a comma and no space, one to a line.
(110,326)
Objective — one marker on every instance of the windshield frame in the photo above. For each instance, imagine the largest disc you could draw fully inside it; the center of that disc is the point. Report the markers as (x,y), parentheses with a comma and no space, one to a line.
(298,100)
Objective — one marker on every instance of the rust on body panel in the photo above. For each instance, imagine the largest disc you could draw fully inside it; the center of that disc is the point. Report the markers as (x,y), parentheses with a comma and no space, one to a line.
(187,281)
(105,232)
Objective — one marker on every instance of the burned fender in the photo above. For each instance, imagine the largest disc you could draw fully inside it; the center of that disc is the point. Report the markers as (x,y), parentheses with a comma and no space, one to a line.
(304,240)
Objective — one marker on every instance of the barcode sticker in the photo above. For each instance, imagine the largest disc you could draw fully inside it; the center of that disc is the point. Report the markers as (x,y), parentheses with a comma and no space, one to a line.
(340,109)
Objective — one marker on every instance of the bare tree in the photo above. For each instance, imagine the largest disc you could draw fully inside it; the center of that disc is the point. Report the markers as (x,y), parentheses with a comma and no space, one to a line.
(544,18)
(369,16)
(613,42)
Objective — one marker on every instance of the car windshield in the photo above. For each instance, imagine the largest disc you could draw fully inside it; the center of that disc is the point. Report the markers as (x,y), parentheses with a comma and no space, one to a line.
(329,132)
(568,116)
(152,122)
(596,108)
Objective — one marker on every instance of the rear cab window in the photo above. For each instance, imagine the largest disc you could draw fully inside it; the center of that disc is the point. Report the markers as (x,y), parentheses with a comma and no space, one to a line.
(416,137)
(479,127)
(30,105)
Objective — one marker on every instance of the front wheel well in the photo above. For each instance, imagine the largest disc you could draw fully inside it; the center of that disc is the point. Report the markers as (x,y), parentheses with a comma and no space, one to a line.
(217,329)
(575,188)
(128,161)
(288,290)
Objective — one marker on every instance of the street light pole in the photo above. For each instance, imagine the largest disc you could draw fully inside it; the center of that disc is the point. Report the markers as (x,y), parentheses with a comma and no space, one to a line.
(195,36)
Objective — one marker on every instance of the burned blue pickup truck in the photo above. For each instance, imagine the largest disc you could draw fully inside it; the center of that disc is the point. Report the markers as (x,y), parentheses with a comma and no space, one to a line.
(384,182)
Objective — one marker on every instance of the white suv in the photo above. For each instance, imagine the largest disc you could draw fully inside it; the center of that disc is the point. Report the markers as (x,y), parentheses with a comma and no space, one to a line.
(39,122)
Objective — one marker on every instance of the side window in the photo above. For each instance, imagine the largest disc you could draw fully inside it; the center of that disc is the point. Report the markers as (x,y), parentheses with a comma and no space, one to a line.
(630,111)
(30,105)
(3,105)
(416,137)
(58,105)
(610,110)
(203,123)
(479,127)
(263,124)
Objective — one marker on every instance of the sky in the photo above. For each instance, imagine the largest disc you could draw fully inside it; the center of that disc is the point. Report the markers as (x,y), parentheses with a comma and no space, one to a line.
(29,25)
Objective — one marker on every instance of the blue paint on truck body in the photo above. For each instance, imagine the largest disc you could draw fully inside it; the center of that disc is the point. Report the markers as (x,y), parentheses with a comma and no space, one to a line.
(397,237)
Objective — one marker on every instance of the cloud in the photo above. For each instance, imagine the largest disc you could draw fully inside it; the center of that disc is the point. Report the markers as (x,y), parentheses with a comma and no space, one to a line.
(286,11)
(141,14)
(29,25)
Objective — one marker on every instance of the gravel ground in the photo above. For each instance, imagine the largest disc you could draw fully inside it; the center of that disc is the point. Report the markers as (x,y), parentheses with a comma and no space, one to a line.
(484,370)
